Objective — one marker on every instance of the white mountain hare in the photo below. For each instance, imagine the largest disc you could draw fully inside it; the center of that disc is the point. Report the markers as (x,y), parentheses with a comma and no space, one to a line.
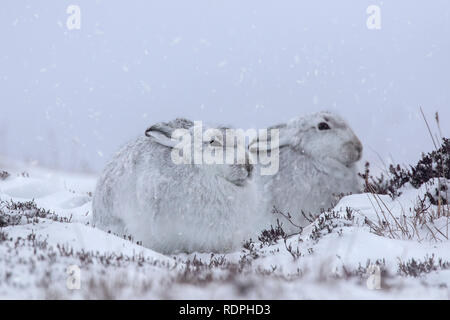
(175,207)
(317,160)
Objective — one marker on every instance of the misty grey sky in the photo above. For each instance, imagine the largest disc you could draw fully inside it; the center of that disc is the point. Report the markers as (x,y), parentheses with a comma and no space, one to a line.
(70,98)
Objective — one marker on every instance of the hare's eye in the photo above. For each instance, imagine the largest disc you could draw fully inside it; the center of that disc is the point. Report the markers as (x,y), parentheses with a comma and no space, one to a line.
(324,126)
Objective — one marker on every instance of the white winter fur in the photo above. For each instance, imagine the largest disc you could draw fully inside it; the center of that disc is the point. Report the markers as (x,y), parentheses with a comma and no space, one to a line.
(174,208)
(315,165)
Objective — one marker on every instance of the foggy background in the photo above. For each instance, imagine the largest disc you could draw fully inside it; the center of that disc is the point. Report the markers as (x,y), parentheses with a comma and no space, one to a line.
(70,98)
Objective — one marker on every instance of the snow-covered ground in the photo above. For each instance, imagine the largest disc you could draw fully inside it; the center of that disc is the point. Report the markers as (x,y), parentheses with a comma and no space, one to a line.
(340,256)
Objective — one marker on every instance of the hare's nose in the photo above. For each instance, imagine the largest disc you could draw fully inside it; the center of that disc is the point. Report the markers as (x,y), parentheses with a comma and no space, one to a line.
(359,147)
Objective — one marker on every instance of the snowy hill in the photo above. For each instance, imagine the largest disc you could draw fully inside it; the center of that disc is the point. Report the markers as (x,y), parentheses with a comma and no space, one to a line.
(45,218)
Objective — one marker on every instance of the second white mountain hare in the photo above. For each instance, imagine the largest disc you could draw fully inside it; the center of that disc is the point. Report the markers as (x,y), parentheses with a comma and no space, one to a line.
(317,160)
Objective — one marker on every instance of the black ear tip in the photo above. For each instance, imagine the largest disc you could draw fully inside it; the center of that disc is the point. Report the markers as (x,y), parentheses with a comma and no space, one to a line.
(154,127)
(160,128)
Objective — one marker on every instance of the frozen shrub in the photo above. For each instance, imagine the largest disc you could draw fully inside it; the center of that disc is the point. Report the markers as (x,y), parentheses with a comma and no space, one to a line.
(270,237)
(15,213)
(414,268)
(4,175)
(435,164)
(329,221)
(3,236)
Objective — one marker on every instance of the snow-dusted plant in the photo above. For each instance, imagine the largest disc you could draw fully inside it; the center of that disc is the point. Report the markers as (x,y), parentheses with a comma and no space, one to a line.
(433,168)
(14,213)
(175,207)
(4,175)
(318,155)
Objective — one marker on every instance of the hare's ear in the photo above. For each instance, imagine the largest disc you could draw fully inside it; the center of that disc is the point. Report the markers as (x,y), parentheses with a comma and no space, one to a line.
(274,138)
(162,134)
